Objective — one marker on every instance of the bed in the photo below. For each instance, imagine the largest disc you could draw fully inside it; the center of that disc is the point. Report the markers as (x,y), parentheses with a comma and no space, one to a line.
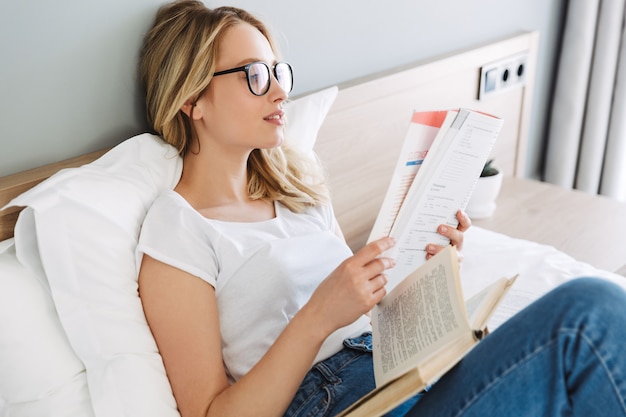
(73,339)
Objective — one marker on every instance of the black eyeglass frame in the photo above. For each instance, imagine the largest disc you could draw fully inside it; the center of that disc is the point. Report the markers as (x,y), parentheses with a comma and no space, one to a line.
(246,69)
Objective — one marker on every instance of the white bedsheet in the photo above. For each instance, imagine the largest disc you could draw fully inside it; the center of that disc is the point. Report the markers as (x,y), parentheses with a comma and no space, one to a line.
(489,255)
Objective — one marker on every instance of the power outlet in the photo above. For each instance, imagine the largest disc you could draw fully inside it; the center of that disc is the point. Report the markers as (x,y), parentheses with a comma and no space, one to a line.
(502,75)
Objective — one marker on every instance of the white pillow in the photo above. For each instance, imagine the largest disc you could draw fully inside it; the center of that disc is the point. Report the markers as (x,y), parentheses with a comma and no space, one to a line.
(38,367)
(87,221)
(81,228)
(305,116)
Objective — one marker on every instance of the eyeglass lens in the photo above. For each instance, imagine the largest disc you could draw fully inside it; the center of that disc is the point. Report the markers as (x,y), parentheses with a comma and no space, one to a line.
(259,77)
(284,75)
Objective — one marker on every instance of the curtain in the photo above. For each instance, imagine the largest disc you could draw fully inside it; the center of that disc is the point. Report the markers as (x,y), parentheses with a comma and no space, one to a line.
(586,145)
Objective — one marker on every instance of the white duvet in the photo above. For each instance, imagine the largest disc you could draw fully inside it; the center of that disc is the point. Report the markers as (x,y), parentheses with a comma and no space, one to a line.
(489,255)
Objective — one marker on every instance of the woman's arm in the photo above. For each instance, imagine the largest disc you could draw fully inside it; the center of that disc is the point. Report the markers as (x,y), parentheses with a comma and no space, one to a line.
(181,310)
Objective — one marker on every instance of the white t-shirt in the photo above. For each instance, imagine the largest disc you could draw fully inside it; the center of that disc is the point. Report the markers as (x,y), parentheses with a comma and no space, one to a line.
(262,272)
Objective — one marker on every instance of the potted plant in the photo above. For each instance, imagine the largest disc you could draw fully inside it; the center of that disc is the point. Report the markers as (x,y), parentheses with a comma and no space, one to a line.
(482,202)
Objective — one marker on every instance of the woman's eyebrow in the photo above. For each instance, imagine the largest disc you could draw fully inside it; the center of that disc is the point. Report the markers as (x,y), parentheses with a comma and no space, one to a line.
(249,60)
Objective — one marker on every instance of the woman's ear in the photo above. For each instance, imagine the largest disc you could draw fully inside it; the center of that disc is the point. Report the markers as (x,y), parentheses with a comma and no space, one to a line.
(188,106)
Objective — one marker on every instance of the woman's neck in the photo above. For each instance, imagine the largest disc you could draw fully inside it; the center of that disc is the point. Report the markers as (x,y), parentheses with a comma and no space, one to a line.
(219,191)
(210,181)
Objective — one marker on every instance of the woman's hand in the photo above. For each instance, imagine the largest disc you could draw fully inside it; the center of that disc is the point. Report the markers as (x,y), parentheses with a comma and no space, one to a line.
(455,236)
(353,288)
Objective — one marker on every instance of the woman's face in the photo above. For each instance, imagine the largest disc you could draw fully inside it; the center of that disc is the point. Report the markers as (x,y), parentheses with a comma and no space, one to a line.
(230,114)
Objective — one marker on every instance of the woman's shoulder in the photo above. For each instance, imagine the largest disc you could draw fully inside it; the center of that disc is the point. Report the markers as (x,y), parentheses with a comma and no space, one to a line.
(169,208)
(168,202)
(173,233)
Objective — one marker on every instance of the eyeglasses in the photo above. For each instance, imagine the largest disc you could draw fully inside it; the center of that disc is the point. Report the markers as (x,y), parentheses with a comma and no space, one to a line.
(259,79)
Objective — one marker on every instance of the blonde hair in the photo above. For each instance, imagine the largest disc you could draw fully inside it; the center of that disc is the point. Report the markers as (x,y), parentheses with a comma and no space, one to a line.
(177,63)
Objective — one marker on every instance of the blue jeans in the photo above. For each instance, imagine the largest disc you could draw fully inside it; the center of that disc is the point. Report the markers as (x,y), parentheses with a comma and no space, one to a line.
(335,383)
(560,356)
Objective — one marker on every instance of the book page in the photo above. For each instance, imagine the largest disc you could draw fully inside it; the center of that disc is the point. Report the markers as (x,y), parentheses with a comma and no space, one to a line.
(420,316)
(514,302)
(442,186)
(482,305)
(421,133)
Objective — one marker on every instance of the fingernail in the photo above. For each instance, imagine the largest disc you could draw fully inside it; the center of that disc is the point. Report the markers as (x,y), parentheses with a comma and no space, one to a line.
(444,229)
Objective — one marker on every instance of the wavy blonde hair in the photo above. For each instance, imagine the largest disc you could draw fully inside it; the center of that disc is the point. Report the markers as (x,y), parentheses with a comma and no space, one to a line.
(177,63)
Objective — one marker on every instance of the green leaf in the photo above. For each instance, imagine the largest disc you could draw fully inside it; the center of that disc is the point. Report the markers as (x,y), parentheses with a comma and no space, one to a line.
(489,169)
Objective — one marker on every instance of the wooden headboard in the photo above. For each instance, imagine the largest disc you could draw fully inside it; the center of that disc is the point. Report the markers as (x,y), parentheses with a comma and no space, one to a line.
(361,137)
(362,134)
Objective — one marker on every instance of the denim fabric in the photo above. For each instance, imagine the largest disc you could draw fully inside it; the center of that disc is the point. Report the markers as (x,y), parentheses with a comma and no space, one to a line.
(561,356)
(335,383)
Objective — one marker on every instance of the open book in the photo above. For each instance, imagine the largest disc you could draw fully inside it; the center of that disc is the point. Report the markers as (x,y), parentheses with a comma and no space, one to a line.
(421,329)
(439,164)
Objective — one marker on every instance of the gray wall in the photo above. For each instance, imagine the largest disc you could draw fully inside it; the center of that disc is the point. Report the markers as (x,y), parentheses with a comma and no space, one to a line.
(67,70)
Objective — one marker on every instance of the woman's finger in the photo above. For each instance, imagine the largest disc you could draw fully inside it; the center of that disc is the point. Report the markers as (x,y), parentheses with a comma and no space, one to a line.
(432,250)
(373,250)
(464,221)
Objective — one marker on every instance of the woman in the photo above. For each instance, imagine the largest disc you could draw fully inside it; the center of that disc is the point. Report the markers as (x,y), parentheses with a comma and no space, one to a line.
(257,305)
